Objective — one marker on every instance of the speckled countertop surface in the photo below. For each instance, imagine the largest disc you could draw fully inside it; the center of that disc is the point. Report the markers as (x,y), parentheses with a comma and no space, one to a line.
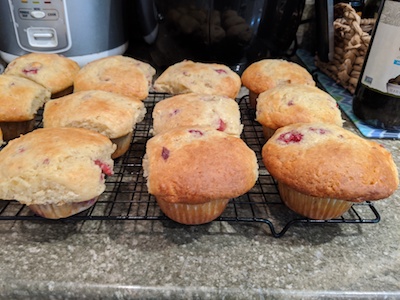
(230,260)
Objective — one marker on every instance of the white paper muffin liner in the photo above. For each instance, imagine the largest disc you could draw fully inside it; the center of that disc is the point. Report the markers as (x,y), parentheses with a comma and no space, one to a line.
(313,207)
(54,211)
(193,214)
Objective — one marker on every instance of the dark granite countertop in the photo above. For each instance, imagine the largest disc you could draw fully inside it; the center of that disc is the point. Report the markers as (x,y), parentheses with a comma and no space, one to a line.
(146,259)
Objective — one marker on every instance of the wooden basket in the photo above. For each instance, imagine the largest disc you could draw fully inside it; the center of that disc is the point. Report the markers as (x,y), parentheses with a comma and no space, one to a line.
(351,41)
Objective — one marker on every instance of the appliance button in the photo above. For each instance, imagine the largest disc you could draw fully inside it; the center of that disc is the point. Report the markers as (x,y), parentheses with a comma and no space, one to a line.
(37,14)
(42,37)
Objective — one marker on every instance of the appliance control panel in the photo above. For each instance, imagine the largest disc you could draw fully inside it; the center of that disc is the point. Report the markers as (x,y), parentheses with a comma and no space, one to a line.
(41,25)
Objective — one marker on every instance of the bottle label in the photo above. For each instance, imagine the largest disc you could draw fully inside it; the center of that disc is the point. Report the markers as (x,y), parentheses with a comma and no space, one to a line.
(382,70)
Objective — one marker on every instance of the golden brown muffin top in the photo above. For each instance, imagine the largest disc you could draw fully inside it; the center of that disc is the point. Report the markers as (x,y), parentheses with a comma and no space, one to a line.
(53,71)
(328,161)
(55,165)
(195,77)
(296,103)
(118,74)
(268,73)
(198,164)
(20,98)
(108,113)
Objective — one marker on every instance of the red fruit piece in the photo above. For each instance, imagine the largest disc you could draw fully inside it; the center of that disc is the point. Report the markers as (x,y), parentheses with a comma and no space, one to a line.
(220,71)
(290,137)
(165,153)
(21,149)
(30,71)
(176,111)
(196,132)
(105,168)
(318,130)
(222,125)
(32,68)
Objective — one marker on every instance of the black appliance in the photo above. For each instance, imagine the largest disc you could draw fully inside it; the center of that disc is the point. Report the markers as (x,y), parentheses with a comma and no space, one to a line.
(233,32)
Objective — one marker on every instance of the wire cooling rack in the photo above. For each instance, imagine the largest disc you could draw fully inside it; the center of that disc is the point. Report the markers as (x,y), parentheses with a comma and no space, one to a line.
(126,196)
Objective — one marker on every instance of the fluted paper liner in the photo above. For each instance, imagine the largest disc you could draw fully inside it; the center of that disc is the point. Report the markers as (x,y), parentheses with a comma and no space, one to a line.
(313,207)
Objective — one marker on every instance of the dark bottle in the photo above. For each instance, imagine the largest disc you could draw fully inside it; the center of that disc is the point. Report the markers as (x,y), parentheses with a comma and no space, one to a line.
(377,97)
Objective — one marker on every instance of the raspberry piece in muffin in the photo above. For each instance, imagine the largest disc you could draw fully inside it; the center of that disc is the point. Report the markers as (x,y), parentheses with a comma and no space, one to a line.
(290,137)
(196,133)
(220,71)
(105,168)
(165,153)
(30,71)
(221,125)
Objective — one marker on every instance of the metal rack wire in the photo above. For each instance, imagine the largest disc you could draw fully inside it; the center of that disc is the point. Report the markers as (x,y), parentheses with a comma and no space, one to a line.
(126,196)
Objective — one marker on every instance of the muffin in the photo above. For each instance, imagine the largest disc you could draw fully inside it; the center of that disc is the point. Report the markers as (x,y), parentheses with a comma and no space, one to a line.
(112,115)
(295,103)
(322,169)
(268,73)
(118,74)
(56,172)
(193,172)
(55,72)
(186,110)
(202,78)
(20,99)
